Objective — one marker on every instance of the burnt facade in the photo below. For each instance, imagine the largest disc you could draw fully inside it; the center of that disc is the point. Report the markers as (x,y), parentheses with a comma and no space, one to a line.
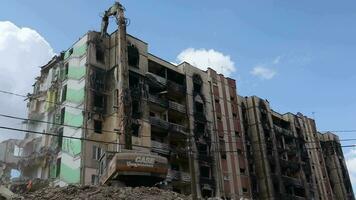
(120,115)
(288,158)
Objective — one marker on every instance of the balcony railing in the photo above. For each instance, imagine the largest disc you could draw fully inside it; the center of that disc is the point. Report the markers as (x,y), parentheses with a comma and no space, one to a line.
(177,128)
(175,87)
(174,175)
(283,130)
(159,122)
(176,106)
(159,147)
(157,100)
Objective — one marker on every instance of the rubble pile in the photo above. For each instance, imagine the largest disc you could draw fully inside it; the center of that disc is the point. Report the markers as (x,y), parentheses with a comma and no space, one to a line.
(102,192)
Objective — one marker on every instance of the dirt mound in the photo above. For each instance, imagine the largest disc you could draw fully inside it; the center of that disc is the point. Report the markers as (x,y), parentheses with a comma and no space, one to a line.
(74,192)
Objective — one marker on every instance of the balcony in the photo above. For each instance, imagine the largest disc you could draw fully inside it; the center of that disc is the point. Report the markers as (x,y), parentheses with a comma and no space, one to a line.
(283,131)
(155,121)
(291,181)
(176,106)
(177,128)
(159,147)
(156,78)
(157,100)
(175,87)
(174,175)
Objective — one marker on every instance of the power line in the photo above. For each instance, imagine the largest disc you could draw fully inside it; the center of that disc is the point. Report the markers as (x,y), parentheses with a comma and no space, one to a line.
(113,131)
(150,147)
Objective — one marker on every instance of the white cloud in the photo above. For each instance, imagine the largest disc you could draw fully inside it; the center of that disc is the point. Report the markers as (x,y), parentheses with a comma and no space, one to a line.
(350,158)
(22,52)
(263,72)
(203,58)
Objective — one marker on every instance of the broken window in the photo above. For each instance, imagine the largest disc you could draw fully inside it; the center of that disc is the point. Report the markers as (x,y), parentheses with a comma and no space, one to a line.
(100,56)
(96,154)
(98,125)
(133,56)
(64,93)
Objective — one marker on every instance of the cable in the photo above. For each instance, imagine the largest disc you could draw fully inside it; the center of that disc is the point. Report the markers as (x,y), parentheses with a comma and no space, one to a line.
(105,142)
(183,139)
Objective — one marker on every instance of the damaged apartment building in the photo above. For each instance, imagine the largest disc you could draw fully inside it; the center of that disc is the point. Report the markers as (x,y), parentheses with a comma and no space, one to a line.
(106,111)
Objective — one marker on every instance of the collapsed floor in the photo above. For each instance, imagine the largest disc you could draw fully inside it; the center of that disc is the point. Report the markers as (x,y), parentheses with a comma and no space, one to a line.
(102,192)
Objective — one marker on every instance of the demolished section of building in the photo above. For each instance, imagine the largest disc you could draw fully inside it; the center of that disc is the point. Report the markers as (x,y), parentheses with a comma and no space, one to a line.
(116,114)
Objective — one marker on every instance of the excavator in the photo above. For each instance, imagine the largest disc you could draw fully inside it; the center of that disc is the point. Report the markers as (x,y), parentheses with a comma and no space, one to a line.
(126,166)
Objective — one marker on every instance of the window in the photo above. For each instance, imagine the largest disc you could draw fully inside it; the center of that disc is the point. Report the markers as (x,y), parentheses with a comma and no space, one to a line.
(237,134)
(94,179)
(18,150)
(96,152)
(244,190)
(205,171)
(62,115)
(133,55)
(98,125)
(70,51)
(98,101)
(64,93)
(60,138)
(100,57)
(242,170)
(66,70)
(217,101)
(232,98)
(58,167)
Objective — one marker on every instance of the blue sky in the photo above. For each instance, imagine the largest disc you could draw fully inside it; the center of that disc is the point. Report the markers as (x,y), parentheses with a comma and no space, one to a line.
(307,47)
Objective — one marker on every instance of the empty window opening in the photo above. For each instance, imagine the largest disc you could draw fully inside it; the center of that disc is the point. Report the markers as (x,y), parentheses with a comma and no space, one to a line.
(98,125)
(135,130)
(205,171)
(58,167)
(133,55)
(66,69)
(64,93)
(94,179)
(175,166)
(63,111)
(242,170)
(100,55)
(60,138)
(98,100)
(199,107)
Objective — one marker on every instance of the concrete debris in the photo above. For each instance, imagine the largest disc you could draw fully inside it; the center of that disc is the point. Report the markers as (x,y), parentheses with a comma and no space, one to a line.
(6,193)
(103,192)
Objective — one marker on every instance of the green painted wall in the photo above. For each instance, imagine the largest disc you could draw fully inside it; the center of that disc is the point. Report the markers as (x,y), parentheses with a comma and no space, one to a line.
(77,51)
(69,175)
(76,96)
(76,72)
(73,119)
(71,146)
